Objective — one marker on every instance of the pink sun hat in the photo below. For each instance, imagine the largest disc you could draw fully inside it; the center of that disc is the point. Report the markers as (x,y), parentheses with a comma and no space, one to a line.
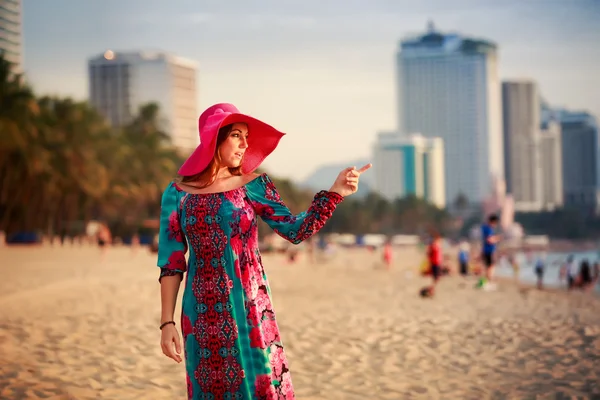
(262,139)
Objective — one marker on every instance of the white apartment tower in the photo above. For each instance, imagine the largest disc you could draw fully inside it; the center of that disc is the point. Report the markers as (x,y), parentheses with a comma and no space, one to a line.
(11,32)
(448,87)
(551,164)
(410,165)
(119,83)
(522,144)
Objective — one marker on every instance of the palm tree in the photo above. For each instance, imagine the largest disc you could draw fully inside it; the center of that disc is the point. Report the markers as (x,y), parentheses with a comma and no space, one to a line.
(18,141)
(75,176)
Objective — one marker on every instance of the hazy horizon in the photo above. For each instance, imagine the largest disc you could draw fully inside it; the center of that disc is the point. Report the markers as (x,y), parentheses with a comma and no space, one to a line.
(324,72)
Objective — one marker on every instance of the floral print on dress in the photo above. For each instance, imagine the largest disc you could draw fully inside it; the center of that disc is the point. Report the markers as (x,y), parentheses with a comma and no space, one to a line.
(232,342)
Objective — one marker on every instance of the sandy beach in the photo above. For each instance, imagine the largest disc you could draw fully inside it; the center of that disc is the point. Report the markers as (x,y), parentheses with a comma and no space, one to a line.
(75,325)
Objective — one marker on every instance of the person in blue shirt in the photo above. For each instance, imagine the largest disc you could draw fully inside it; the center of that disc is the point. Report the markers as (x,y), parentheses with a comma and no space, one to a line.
(540,266)
(490,240)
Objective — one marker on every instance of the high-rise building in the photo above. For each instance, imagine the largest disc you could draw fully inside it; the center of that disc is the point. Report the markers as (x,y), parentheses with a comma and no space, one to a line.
(551,164)
(410,165)
(522,144)
(580,160)
(11,32)
(119,83)
(448,87)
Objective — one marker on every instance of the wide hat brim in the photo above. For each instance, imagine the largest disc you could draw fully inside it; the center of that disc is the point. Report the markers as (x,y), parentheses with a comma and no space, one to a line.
(262,140)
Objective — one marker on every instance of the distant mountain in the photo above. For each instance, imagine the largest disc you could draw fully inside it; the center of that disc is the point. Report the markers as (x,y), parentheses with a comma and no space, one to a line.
(325,175)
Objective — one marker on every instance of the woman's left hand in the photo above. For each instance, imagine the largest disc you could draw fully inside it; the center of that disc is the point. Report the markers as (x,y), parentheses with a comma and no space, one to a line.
(346,182)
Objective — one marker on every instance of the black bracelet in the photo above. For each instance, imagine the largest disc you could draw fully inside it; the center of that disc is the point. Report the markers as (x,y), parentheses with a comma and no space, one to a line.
(165,324)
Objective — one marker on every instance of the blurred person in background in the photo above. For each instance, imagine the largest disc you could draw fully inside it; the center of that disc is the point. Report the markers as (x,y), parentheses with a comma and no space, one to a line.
(585,274)
(569,271)
(515,263)
(435,257)
(135,244)
(539,269)
(231,340)
(463,258)
(104,239)
(490,241)
(388,255)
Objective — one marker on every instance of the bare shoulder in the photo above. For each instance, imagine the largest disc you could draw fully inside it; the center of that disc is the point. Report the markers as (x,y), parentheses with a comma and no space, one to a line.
(246,178)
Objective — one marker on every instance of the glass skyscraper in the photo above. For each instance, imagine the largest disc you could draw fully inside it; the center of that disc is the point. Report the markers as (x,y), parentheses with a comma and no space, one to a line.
(448,87)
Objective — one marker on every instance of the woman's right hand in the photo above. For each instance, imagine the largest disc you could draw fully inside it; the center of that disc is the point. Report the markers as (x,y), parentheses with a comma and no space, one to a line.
(346,182)
(170,342)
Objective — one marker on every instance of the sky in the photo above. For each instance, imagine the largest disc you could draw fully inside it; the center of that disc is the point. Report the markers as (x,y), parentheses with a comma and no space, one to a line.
(323,71)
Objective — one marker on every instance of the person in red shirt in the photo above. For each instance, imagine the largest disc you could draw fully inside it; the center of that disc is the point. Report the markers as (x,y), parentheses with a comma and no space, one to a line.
(435,257)
(387,254)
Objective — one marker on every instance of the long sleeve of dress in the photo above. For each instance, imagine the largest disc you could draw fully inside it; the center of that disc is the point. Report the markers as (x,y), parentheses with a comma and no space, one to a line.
(295,228)
(172,245)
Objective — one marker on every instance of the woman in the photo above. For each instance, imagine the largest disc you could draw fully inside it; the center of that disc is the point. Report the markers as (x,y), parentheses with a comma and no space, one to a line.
(232,345)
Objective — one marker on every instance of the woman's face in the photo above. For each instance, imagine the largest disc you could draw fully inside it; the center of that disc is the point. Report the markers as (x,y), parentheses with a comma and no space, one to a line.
(233,148)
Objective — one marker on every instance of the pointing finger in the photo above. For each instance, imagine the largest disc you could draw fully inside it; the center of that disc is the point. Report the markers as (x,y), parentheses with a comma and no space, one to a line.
(365,168)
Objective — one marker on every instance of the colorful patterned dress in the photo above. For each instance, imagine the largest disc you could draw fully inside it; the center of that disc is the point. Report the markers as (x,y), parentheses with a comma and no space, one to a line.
(232,345)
